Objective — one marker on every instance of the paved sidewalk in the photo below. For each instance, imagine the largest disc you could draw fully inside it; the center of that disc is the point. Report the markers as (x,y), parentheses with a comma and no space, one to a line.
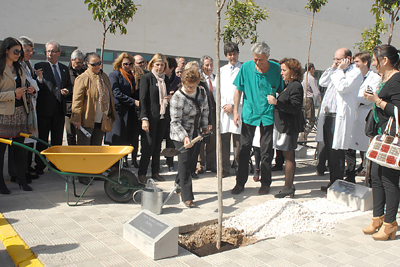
(91,234)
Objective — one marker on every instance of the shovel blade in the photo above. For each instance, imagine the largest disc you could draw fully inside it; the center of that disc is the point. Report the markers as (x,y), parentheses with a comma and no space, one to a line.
(169,152)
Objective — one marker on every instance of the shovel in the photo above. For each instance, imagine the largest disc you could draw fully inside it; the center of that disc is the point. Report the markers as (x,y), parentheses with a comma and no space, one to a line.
(172,152)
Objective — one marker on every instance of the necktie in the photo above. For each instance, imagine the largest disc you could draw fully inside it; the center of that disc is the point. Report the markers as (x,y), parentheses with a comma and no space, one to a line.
(210,84)
(58,81)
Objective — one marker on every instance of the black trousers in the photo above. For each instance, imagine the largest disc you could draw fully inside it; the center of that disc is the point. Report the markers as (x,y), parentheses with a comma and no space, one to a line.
(322,157)
(385,191)
(350,156)
(151,146)
(53,125)
(336,156)
(226,150)
(246,141)
(18,158)
(71,131)
(186,161)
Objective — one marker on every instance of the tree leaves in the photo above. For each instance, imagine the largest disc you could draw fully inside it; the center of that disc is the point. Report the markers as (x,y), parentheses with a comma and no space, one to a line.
(315,5)
(242,18)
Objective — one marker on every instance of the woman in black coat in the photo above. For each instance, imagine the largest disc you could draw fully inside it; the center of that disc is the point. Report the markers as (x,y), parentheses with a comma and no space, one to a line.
(288,119)
(154,113)
(126,98)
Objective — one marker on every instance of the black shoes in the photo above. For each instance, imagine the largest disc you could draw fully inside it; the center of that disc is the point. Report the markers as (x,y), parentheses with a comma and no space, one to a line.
(237,190)
(25,187)
(264,189)
(5,191)
(286,192)
(325,188)
(135,164)
(84,180)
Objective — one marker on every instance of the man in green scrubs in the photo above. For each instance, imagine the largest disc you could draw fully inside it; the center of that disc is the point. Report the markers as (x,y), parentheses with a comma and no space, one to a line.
(256,79)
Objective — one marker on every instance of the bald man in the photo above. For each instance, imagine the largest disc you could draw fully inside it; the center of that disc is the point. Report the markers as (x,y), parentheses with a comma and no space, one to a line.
(140,62)
(336,118)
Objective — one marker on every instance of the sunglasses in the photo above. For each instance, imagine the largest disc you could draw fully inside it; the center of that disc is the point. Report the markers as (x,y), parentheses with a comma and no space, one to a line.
(179,72)
(95,64)
(140,62)
(127,64)
(16,52)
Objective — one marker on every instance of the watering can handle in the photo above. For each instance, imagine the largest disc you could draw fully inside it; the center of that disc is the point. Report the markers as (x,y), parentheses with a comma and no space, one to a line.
(154,184)
(134,194)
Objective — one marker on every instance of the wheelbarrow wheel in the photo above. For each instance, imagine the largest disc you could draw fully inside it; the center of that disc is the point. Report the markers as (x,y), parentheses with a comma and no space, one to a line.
(118,191)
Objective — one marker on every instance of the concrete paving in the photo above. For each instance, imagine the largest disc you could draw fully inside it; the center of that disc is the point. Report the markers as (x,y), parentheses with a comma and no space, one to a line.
(91,234)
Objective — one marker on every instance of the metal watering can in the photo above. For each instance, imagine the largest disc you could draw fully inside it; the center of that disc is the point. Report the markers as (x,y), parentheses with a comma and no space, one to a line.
(152,197)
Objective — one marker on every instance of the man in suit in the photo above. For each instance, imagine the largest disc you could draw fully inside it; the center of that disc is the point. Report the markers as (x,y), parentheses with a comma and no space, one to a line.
(207,156)
(51,102)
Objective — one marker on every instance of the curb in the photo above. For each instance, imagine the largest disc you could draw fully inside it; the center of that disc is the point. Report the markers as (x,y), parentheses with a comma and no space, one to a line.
(19,252)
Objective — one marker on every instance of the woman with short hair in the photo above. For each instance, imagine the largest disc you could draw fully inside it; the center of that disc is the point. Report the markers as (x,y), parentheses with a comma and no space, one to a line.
(92,99)
(189,113)
(288,119)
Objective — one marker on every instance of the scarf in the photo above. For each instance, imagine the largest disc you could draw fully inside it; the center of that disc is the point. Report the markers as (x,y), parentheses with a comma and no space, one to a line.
(129,77)
(103,93)
(162,90)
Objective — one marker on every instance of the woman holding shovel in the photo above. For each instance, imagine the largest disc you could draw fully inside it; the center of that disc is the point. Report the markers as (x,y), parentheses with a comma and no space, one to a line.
(189,113)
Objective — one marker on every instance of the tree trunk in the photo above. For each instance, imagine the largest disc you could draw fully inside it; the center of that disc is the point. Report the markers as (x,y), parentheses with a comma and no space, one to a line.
(391,28)
(103,42)
(309,49)
(220,5)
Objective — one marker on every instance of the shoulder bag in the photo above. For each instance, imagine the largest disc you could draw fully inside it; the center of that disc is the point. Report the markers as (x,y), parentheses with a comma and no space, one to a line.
(371,127)
(385,149)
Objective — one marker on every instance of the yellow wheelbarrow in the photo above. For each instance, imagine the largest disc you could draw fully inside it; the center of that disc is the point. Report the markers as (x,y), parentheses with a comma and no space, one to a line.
(88,161)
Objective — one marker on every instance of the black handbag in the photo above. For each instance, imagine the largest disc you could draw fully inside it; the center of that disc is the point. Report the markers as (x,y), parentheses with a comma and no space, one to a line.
(371,127)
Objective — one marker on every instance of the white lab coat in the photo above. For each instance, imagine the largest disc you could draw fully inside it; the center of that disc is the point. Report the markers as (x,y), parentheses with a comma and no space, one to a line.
(359,141)
(346,86)
(227,95)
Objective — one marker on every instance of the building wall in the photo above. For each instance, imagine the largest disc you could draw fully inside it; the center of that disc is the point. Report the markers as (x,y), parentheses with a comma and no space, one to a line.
(187,28)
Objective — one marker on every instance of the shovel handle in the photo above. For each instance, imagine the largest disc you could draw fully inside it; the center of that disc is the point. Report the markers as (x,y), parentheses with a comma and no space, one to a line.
(194,141)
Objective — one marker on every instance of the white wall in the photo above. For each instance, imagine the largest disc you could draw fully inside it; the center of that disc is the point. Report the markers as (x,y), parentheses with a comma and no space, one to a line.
(187,27)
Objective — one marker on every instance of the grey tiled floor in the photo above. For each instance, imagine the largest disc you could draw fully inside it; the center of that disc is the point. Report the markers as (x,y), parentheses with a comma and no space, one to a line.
(91,234)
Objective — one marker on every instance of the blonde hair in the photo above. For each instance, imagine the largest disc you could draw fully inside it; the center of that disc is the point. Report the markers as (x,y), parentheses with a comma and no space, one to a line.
(138,73)
(158,57)
(191,64)
(118,61)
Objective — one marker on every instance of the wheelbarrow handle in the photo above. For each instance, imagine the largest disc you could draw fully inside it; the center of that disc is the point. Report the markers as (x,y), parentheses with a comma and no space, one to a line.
(34,138)
(6,141)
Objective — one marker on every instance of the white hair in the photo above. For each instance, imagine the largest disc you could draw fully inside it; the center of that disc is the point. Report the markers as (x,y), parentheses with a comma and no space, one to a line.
(259,48)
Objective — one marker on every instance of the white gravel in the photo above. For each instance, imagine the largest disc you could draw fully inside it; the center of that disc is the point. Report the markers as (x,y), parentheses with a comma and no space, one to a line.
(276,218)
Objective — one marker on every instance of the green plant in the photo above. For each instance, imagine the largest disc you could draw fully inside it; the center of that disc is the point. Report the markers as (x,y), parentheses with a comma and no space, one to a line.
(242,18)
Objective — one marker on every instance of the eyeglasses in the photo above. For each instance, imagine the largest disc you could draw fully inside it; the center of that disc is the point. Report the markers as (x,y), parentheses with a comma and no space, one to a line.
(140,62)
(30,51)
(52,51)
(16,52)
(127,64)
(95,64)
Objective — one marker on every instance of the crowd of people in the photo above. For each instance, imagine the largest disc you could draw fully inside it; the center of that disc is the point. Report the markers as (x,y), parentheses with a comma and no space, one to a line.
(265,105)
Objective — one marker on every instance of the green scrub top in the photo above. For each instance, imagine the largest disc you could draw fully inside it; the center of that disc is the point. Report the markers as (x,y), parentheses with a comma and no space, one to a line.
(256,86)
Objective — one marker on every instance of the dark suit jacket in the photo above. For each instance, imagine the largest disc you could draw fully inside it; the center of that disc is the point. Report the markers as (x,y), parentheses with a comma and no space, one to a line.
(47,102)
(149,97)
(288,110)
(124,102)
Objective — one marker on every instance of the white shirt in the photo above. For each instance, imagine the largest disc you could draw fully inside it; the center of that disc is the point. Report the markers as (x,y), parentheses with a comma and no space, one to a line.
(312,88)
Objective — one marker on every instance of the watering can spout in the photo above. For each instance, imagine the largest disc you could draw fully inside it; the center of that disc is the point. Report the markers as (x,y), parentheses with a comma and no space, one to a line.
(170,194)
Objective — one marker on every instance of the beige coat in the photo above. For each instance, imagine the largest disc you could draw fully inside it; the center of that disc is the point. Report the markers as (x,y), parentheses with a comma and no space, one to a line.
(84,98)
(7,95)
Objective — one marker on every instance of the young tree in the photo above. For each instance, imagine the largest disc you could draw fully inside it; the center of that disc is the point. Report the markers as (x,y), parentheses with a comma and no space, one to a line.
(113,15)
(390,7)
(220,5)
(314,6)
(243,18)
(371,36)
